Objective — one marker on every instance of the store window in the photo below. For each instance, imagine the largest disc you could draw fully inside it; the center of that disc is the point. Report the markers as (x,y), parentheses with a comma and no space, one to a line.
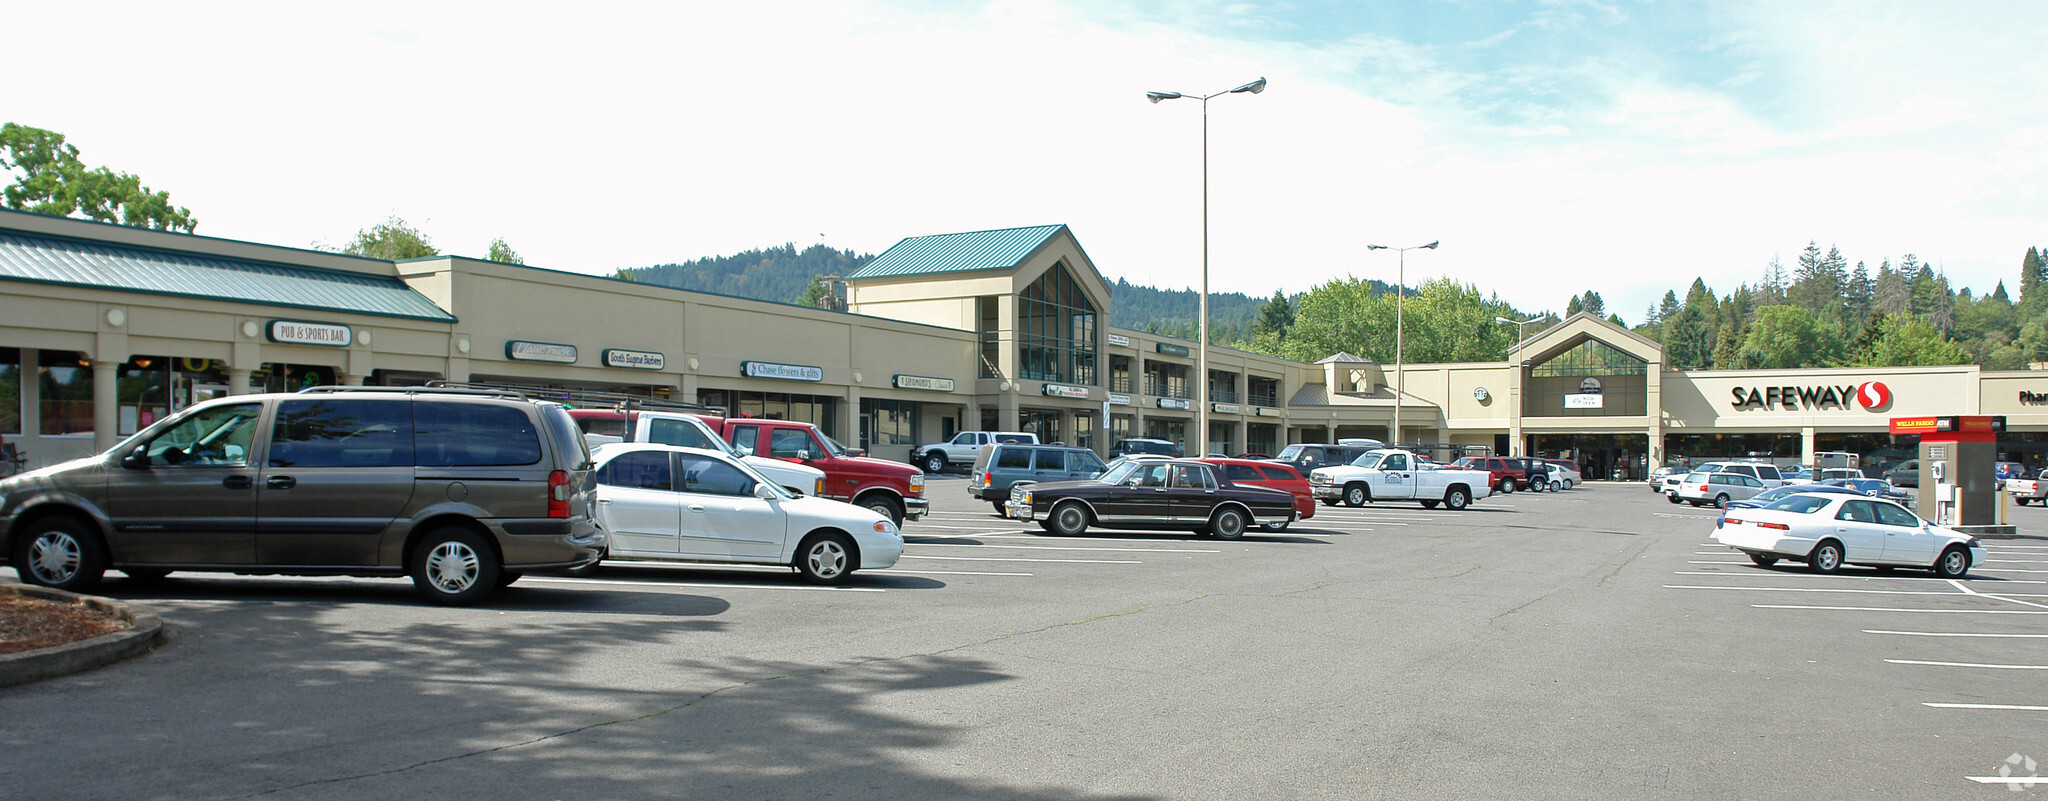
(1056,330)
(10,391)
(813,409)
(64,392)
(1084,430)
(142,392)
(1043,422)
(890,422)
(1590,379)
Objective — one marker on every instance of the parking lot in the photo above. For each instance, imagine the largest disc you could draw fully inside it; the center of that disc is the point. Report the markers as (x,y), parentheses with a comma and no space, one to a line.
(1588,644)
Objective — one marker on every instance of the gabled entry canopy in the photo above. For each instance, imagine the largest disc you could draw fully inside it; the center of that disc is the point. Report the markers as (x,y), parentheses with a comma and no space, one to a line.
(1577,330)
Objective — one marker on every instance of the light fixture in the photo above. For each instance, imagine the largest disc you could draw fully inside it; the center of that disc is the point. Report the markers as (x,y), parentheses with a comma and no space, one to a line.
(249,328)
(1400,294)
(1202,399)
(142,362)
(116,317)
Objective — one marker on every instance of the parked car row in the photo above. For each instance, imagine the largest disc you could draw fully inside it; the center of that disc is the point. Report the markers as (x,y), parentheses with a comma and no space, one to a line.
(1725,483)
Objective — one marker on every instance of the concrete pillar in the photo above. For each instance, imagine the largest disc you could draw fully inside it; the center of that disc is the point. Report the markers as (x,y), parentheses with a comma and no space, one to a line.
(849,420)
(1006,411)
(352,380)
(106,417)
(238,381)
(31,398)
(1806,447)
(1240,439)
(1330,432)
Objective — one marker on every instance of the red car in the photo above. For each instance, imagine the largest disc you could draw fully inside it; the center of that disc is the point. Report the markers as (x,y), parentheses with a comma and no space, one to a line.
(1274,476)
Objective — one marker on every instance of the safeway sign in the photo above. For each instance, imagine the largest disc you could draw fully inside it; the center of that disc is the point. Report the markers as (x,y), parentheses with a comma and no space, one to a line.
(1871,396)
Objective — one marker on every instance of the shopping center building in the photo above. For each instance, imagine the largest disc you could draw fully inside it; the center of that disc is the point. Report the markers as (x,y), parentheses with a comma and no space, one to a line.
(106,328)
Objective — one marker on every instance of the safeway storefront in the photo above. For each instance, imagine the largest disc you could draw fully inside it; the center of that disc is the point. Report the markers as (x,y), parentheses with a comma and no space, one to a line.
(104,329)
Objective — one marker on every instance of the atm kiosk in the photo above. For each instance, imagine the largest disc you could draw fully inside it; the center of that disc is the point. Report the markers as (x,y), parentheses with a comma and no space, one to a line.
(1958,467)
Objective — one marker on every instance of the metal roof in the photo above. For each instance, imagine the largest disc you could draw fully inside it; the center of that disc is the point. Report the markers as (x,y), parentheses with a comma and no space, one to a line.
(953,253)
(122,268)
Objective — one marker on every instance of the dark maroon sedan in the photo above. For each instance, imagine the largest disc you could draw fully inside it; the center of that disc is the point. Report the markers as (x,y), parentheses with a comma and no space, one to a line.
(1155,494)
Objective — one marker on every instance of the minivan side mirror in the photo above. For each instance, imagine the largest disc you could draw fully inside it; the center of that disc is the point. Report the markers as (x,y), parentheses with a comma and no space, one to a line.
(137,459)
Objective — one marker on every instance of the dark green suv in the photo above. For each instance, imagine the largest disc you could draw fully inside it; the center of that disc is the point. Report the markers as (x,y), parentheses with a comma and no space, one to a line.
(462,490)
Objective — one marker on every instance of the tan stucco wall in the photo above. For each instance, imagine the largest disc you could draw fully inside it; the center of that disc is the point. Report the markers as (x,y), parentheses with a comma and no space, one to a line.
(1703,400)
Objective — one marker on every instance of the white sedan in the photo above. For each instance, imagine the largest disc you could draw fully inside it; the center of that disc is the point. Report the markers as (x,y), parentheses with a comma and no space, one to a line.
(674,504)
(1828,531)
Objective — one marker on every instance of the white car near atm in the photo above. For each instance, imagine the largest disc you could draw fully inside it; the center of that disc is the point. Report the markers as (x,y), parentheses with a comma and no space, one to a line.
(1828,531)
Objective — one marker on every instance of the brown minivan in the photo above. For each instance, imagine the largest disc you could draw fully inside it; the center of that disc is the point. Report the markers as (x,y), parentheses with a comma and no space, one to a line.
(463,490)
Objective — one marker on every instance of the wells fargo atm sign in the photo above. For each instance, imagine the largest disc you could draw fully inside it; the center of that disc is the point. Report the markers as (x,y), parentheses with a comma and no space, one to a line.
(1966,426)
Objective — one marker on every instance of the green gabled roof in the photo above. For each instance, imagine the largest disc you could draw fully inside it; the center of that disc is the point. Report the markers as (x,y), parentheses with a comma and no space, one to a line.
(124,268)
(956,253)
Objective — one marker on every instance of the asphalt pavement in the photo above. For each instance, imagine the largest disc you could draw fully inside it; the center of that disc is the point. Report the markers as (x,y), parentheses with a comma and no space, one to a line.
(1591,644)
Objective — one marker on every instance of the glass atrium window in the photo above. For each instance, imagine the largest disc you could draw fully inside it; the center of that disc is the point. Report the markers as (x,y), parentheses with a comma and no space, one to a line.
(1056,330)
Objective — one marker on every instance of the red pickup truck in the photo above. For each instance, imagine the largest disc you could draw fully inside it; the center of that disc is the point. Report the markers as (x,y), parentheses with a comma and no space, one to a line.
(896,491)
(1505,472)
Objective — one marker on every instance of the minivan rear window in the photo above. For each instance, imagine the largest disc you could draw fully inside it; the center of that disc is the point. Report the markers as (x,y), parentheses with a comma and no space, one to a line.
(473,435)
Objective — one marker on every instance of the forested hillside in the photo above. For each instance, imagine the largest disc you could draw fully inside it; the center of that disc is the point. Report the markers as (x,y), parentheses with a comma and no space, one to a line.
(781,274)
(1825,313)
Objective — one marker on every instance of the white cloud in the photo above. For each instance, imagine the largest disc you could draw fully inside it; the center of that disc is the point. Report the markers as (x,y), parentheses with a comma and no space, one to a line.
(613,136)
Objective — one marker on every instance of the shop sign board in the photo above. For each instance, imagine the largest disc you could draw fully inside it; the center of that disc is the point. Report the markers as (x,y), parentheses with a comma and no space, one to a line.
(1172,403)
(1171,349)
(1066,391)
(1119,399)
(783,372)
(298,332)
(1119,340)
(521,350)
(923,382)
(633,359)
(1225,408)
(1266,411)
(1584,401)
(1589,386)
(2033,398)
(1978,425)
(1871,395)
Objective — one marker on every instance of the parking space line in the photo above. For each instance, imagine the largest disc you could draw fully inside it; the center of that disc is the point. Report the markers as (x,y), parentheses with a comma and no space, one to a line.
(1009,559)
(995,535)
(2014,707)
(696,585)
(1806,589)
(941,572)
(1965,664)
(1956,634)
(2028,781)
(1060,548)
(1900,609)
(1762,573)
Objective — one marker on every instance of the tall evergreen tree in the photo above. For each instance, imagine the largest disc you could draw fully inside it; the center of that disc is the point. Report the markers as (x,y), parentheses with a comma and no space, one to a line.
(1771,290)
(2033,269)
(1591,302)
(1894,292)
(1276,315)
(1858,296)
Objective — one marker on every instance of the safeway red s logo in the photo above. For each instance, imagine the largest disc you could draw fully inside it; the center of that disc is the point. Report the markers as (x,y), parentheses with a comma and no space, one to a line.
(1874,395)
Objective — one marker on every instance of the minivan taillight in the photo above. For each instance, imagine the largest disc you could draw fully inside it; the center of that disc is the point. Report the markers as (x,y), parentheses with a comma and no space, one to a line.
(558,494)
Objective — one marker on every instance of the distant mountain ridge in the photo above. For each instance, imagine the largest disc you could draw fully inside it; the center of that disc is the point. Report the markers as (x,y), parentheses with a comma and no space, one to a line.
(784,274)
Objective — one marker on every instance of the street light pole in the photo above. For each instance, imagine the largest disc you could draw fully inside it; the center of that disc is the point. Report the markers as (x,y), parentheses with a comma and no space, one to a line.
(1400,293)
(1202,324)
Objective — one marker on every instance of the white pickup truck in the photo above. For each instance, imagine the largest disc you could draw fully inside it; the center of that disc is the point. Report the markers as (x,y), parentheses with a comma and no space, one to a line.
(2028,490)
(963,448)
(675,428)
(1396,475)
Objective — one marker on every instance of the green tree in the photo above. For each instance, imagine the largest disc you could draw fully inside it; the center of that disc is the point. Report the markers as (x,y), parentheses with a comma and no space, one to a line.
(624,274)
(1788,336)
(2033,267)
(1591,302)
(814,294)
(393,240)
(1914,343)
(1276,315)
(1347,315)
(503,253)
(52,180)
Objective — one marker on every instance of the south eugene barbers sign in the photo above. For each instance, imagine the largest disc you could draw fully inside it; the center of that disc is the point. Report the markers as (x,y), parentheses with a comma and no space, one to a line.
(1870,395)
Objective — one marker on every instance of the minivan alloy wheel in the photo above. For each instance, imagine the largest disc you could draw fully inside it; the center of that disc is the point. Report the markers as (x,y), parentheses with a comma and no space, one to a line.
(59,552)
(452,567)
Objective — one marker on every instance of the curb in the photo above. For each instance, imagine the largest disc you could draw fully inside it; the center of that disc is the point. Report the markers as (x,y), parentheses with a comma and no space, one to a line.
(145,631)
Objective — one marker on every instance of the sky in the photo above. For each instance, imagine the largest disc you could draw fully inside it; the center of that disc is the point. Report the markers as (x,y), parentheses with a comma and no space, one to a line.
(1552,146)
